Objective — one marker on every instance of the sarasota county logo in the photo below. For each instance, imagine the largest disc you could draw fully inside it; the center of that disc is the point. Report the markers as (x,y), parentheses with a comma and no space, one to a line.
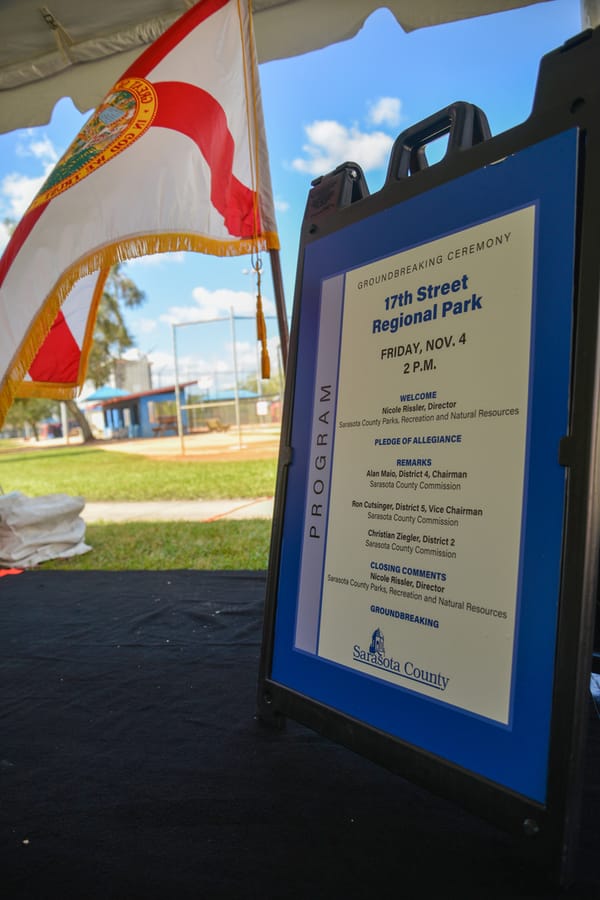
(376,657)
(377,644)
(123,117)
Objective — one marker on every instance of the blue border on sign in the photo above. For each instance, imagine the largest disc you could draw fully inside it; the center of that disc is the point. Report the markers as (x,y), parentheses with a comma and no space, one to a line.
(515,757)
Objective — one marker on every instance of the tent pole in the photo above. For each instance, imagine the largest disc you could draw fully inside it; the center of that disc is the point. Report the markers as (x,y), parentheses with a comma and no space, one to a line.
(284,336)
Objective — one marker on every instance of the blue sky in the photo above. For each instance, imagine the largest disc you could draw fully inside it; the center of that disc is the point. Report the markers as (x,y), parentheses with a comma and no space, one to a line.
(346,102)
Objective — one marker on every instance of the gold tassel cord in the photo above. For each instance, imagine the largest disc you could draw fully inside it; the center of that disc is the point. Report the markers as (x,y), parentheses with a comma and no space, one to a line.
(265,364)
(261,328)
(261,325)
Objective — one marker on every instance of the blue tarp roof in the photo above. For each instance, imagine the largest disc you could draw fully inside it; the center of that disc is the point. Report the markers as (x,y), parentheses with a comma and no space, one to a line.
(105,393)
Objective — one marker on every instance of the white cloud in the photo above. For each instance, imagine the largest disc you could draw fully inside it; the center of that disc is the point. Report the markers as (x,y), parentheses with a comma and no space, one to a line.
(45,151)
(246,357)
(161,360)
(145,326)
(40,148)
(212,373)
(332,143)
(18,191)
(157,259)
(189,368)
(281,205)
(213,304)
(163,363)
(133,354)
(386,111)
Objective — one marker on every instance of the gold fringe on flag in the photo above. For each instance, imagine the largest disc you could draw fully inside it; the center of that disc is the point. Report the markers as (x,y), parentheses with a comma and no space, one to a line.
(103,258)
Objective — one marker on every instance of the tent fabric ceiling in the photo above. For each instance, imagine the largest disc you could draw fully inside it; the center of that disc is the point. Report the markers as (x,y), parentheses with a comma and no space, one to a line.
(79,48)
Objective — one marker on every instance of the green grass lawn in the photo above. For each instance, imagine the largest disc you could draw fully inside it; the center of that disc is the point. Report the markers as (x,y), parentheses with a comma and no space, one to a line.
(162,546)
(96,474)
(104,475)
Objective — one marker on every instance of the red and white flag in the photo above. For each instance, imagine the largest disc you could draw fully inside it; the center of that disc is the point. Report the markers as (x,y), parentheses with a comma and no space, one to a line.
(174,158)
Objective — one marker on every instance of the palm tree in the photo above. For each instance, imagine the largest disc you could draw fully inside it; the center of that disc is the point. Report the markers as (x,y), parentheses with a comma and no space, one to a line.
(111,335)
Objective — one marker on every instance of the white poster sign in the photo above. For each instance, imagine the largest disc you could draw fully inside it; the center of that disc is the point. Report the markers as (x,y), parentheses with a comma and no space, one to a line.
(422,518)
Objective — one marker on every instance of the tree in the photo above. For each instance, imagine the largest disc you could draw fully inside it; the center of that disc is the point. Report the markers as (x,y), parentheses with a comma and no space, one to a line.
(111,336)
(269,388)
(76,414)
(31,411)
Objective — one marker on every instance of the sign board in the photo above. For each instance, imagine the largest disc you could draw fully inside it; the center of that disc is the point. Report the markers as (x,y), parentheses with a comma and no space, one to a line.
(426,495)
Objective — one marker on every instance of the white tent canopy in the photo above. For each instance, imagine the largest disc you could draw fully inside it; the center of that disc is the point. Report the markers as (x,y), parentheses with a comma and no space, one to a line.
(79,48)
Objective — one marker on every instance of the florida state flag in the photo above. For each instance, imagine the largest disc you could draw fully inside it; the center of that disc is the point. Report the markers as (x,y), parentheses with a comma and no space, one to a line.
(174,158)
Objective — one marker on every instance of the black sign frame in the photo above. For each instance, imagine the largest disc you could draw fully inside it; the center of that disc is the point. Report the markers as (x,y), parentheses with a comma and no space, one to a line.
(567,97)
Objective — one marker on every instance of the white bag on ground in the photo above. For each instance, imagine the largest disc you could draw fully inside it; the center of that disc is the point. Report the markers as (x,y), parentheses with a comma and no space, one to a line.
(36,529)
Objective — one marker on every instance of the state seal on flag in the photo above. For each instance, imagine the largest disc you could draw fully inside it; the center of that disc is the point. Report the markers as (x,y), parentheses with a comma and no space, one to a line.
(123,117)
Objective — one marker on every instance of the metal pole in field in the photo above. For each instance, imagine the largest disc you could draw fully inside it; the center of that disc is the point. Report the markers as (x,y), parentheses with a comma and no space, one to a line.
(177,398)
(235,380)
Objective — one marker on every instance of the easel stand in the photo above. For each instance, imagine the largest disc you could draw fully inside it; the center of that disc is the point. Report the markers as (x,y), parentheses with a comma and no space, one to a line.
(433,575)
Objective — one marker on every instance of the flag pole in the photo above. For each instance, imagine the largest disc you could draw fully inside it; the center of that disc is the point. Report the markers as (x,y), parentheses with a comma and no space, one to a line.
(282,321)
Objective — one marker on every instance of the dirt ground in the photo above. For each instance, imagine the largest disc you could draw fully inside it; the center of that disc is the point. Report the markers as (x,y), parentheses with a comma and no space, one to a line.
(251,443)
